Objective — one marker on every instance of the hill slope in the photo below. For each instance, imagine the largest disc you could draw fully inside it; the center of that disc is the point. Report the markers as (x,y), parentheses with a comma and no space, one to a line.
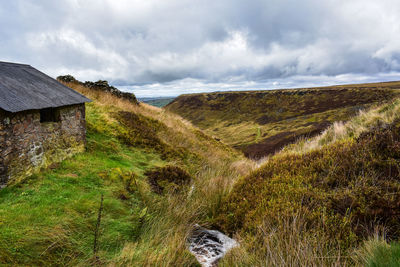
(312,204)
(50,218)
(322,195)
(262,122)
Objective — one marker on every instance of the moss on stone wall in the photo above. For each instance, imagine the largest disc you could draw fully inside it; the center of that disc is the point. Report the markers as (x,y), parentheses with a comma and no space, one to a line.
(27,145)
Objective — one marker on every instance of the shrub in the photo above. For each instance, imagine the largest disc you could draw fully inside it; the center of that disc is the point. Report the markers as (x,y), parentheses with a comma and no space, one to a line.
(67,79)
(169,176)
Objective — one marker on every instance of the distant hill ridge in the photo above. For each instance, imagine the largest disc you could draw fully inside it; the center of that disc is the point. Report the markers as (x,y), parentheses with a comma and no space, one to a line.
(262,122)
(157,101)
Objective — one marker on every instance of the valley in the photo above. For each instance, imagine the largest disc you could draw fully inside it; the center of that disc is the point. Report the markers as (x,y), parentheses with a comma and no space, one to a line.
(325,199)
(260,123)
(156,101)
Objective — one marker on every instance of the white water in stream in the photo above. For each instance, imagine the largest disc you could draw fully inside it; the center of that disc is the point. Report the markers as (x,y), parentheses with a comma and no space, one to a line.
(209,246)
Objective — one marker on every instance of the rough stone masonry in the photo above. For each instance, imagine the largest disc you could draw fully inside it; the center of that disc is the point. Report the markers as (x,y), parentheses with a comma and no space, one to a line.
(27,144)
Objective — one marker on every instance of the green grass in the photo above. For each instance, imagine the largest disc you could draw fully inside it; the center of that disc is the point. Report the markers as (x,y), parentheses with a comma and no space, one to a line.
(384,255)
(313,204)
(50,218)
(258,134)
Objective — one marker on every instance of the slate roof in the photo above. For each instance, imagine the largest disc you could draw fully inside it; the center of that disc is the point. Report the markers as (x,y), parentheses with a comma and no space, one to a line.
(23,87)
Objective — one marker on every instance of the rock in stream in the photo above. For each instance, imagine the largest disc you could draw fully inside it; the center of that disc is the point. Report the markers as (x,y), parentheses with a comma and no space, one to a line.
(209,246)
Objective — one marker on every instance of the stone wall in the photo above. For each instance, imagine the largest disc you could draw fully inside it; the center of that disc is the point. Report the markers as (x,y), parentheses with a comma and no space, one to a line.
(27,145)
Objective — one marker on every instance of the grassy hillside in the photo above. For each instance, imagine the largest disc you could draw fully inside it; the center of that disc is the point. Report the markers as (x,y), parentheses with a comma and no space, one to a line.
(50,218)
(262,122)
(318,202)
(320,198)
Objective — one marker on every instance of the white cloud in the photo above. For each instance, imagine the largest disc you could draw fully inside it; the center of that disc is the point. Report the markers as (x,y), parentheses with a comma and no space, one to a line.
(70,41)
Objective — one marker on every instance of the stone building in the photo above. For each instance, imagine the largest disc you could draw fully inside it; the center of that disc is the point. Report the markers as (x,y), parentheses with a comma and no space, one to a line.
(41,121)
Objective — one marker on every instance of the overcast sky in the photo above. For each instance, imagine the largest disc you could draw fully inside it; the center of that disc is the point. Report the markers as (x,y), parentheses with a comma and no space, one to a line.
(169,47)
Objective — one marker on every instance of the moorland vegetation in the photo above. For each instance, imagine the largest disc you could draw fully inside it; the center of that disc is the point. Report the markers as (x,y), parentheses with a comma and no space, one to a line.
(260,123)
(326,200)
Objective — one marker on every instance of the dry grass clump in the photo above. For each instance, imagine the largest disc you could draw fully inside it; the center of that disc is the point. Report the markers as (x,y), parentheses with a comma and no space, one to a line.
(163,242)
(285,245)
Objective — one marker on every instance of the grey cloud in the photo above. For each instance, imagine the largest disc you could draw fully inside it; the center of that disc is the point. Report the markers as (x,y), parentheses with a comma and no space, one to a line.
(164,42)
